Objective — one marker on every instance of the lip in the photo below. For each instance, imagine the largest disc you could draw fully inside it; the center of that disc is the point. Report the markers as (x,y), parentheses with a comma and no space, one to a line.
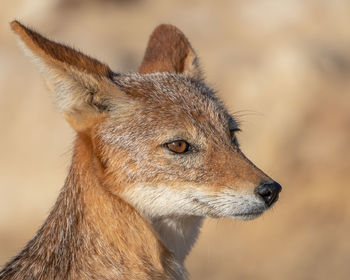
(239,216)
(247,216)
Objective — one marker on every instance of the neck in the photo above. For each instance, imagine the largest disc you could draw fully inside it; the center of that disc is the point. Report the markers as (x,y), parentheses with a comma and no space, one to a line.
(178,233)
(92,234)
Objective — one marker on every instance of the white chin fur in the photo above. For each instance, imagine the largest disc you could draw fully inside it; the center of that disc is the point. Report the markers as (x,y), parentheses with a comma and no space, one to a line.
(246,217)
(163,201)
(176,213)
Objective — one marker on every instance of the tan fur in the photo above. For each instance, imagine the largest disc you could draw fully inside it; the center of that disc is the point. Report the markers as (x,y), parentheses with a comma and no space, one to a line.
(131,208)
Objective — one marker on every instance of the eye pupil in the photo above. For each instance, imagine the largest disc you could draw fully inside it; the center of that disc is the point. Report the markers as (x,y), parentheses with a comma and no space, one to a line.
(178,146)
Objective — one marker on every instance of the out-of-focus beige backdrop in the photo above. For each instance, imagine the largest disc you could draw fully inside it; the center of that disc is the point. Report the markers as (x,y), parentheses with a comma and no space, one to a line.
(283,66)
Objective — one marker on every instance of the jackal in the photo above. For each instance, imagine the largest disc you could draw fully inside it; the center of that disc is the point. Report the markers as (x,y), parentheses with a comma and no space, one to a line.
(155,153)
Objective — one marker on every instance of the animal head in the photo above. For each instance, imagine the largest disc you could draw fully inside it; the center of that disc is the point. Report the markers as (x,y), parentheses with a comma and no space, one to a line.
(164,142)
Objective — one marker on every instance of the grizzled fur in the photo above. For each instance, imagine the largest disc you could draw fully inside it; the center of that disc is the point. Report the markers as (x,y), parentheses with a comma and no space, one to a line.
(131,208)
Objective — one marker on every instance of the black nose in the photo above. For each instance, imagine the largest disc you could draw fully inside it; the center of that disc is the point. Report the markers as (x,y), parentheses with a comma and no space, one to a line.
(268,192)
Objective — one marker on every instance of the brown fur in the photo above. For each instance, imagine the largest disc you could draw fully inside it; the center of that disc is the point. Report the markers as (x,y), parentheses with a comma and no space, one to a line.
(130,208)
(83,236)
(57,53)
(169,50)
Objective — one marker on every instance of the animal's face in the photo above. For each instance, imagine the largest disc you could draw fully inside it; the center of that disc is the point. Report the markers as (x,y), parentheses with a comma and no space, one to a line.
(164,142)
(172,150)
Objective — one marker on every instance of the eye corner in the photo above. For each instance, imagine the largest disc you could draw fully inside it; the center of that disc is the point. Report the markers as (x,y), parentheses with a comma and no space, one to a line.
(233,132)
(235,142)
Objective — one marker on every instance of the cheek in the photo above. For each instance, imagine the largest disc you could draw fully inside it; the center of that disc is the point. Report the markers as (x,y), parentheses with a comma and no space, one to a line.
(127,166)
(159,200)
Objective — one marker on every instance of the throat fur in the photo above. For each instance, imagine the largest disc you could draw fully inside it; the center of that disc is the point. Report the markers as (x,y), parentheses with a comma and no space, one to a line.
(178,233)
(92,234)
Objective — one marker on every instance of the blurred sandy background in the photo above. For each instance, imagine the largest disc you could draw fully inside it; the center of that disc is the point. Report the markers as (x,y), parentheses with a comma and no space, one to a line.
(284,65)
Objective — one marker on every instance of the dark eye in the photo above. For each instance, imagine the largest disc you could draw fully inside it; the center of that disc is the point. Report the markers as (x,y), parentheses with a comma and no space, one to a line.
(178,146)
(233,135)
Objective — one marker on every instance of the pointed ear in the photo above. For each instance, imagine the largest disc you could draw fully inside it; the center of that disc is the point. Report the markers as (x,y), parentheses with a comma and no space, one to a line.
(168,50)
(82,85)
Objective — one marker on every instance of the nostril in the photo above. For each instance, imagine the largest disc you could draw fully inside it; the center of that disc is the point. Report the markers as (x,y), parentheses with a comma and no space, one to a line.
(269,192)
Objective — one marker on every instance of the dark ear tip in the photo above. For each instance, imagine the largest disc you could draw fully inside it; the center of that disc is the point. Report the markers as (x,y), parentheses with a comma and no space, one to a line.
(19,28)
(166,28)
(16,25)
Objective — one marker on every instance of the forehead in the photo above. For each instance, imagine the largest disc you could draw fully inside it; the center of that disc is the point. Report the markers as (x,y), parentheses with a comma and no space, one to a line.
(175,97)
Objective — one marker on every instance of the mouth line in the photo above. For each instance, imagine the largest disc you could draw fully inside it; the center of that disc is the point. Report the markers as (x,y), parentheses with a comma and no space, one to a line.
(247,215)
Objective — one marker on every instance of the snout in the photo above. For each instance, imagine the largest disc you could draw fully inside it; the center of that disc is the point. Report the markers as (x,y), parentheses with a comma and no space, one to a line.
(268,192)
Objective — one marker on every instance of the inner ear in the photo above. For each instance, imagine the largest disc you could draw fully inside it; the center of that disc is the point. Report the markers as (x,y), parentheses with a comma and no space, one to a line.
(83,87)
(168,50)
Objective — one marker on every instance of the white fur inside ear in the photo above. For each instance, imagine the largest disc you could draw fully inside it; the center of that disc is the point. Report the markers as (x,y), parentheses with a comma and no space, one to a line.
(192,67)
(45,71)
(69,93)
